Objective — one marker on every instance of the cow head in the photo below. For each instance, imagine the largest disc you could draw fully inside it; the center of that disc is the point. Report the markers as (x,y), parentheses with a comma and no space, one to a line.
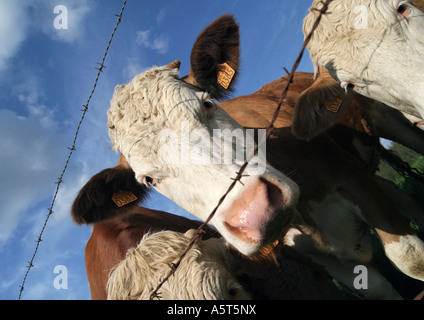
(207,271)
(375,46)
(175,138)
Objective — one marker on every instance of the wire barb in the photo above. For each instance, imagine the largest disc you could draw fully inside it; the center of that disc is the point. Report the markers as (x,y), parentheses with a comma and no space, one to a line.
(101,66)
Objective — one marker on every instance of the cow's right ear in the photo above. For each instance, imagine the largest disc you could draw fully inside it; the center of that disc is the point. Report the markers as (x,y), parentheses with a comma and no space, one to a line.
(109,193)
(215,57)
(320,107)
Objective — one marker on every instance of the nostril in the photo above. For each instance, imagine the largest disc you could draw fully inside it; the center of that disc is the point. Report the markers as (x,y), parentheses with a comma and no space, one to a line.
(260,204)
(275,195)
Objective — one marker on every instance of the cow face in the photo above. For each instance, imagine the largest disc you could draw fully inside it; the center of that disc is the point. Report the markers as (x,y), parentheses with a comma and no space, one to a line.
(377,46)
(176,139)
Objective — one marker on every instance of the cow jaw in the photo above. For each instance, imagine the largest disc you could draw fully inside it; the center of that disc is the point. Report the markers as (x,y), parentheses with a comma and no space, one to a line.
(160,125)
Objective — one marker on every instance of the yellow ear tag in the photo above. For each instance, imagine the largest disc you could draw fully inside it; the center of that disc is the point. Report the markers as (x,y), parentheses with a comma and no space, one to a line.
(268,249)
(225,75)
(333,105)
(122,198)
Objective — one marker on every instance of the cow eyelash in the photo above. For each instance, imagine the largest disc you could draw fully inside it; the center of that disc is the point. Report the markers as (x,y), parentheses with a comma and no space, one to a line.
(208,103)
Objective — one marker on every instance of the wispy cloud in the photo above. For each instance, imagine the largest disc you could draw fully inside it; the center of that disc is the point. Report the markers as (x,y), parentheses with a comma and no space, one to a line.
(162,13)
(133,68)
(13,26)
(159,43)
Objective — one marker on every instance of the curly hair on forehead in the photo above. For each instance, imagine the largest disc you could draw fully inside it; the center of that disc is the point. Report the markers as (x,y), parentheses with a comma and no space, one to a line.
(201,274)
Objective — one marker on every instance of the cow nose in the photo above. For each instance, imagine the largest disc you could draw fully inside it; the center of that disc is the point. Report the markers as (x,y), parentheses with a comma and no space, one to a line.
(259,213)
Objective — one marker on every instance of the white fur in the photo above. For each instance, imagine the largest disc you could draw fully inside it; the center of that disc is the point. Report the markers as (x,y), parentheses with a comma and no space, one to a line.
(343,271)
(342,226)
(384,61)
(156,100)
(204,273)
(407,254)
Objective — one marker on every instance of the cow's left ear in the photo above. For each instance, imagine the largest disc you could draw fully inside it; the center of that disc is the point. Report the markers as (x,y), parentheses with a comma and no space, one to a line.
(215,57)
(110,193)
(320,107)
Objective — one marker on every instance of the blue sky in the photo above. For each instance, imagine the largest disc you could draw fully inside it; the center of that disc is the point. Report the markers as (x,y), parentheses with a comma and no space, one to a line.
(46,76)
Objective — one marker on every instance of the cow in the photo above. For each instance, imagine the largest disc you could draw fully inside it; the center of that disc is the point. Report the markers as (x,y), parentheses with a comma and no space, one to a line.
(205,273)
(158,116)
(118,228)
(125,237)
(208,272)
(113,252)
(314,114)
(375,47)
(254,212)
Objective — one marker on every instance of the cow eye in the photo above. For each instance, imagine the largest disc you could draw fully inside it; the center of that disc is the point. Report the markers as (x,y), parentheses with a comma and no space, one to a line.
(403,10)
(234,291)
(208,104)
(149,181)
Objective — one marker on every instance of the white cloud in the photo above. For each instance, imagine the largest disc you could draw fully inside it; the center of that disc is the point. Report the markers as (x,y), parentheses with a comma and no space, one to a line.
(30,163)
(159,43)
(13,26)
(19,18)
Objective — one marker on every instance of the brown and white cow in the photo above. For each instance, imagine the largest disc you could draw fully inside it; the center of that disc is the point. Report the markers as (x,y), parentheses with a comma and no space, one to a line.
(155,121)
(131,249)
(374,45)
(157,116)
(209,270)
(118,222)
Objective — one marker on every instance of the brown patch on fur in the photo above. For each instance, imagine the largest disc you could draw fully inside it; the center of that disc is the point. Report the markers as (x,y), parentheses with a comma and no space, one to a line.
(419,4)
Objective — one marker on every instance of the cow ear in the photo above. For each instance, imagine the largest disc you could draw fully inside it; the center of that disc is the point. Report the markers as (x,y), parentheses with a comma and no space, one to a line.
(215,57)
(109,193)
(319,107)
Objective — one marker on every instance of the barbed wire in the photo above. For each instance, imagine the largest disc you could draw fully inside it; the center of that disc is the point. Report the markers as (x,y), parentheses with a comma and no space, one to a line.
(269,129)
(71,149)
